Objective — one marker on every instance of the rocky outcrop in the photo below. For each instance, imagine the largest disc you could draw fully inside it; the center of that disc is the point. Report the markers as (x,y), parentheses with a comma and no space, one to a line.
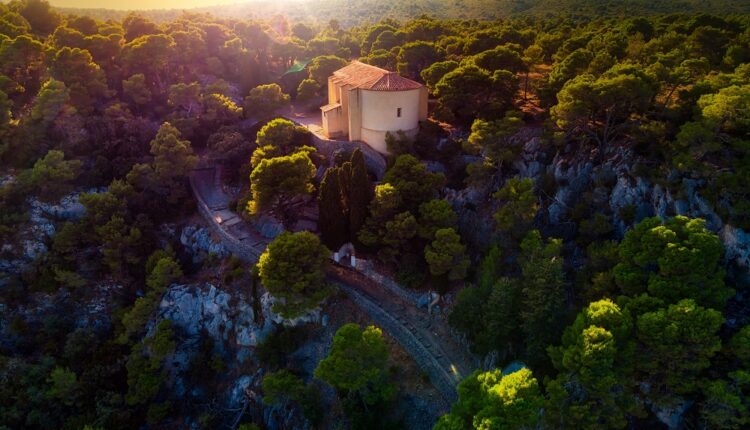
(244,396)
(530,163)
(97,311)
(737,245)
(33,238)
(647,199)
(228,318)
(68,208)
(672,418)
(267,301)
(466,202)
(198,241)
(614,185)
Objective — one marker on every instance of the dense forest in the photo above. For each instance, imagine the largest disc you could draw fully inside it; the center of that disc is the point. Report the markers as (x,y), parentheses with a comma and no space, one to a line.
(575,210)
(357,12)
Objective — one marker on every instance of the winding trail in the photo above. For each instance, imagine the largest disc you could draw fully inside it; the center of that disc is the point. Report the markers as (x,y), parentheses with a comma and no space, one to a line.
(428,340)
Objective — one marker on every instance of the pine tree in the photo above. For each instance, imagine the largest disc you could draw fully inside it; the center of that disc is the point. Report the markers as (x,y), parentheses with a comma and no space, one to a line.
(333,222)
(542,294)
(360,193)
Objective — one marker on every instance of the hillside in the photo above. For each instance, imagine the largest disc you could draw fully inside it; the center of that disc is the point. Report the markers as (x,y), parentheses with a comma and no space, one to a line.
(528,223)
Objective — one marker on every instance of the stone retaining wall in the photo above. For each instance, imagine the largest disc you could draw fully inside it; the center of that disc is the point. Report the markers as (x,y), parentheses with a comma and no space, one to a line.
(242,251)
(439,377)
(367,269)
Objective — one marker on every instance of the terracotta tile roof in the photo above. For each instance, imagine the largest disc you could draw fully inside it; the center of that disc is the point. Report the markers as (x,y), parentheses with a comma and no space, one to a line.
(365,76)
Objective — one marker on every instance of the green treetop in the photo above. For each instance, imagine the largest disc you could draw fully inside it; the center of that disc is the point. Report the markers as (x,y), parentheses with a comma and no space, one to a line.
(359,193)
(413,181)
(542,293)
(279,137)
(677,343)
(435,215)
(518,207)
(357,364)
(263,100)
(275,180)
(292,269)
(52,176)
(446,255)
(673,260)
(322,67)
(594,388)
(491,400)
(435,72)
(602,108)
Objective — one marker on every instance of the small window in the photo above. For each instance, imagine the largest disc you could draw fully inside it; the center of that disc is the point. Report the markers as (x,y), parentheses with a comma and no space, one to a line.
(398,112)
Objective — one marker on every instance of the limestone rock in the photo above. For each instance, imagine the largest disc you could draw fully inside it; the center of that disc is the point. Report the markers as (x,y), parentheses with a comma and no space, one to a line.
(225,317)
(198,240)
(268,226)
(672,417)
(68,208)
(33,249)
(736,244)
(267,301)
(237,394)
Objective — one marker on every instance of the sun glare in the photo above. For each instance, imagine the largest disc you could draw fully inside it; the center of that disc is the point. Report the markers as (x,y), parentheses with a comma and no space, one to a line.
(144,4)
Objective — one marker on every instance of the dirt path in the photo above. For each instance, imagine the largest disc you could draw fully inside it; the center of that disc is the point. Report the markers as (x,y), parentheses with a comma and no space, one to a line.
(427,339)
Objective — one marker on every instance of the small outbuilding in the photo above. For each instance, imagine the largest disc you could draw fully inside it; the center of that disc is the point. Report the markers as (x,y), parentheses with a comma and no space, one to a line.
(366,102)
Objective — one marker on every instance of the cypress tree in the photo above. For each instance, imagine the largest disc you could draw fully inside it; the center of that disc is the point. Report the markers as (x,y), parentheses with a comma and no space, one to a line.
(345,182)
(360,193)
(333,222)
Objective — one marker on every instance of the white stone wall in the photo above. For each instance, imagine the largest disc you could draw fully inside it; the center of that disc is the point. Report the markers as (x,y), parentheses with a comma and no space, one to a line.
(376,139)
(379,115)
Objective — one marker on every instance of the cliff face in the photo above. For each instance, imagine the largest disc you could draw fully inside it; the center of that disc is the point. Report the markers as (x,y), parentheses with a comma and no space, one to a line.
(574,175)
(613,186)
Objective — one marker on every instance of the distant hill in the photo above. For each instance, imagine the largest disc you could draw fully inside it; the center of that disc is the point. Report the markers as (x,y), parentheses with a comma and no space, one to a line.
(352,12)
(633,7)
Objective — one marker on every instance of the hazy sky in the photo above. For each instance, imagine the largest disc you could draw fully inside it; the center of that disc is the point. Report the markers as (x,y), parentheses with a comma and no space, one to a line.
(142,4)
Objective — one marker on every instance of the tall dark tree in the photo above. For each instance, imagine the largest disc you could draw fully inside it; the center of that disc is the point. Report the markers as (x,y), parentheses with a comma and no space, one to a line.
(542,294)
(333,220)
(360,193)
